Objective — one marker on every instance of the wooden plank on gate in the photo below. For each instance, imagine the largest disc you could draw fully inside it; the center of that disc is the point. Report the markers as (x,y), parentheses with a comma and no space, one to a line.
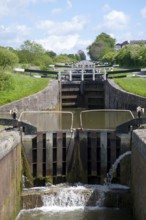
(84,154)
(59,153)
(103,147)
(49,154)
(112,138)
(93,153)
(39,153)
(70,137)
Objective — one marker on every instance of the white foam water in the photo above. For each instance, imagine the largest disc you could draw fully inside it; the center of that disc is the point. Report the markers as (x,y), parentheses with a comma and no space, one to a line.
(69,202)
(76,197)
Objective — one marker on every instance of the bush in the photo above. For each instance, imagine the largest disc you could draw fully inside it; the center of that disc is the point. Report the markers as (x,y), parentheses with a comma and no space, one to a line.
(7,58)
(5,81)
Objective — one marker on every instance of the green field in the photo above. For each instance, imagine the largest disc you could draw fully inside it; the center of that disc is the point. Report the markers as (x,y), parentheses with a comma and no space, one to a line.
(22,86)
(134,85)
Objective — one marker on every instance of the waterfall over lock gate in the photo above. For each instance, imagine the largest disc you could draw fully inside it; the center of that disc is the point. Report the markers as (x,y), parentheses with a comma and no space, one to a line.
(78,196)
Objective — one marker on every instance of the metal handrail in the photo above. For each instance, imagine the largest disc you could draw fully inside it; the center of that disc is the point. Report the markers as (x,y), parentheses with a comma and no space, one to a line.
(57,112)
(103,110)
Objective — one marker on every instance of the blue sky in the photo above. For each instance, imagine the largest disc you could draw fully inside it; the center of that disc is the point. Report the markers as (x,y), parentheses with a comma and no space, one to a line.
(66,26)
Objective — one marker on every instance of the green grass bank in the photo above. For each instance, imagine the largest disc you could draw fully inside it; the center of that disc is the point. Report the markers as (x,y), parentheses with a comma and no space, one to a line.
(21,86)
(133,85)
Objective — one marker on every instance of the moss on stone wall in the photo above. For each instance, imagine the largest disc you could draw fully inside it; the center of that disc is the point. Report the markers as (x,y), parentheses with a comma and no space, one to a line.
(26,170)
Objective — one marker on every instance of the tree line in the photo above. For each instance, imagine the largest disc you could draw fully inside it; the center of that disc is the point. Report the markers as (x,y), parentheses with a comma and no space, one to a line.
(31,53)
(102,49)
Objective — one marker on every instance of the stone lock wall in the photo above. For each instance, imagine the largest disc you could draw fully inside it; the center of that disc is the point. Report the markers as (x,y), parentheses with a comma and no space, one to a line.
(10,150)
(117,98)
(138,183)
(47,99)
(10,175)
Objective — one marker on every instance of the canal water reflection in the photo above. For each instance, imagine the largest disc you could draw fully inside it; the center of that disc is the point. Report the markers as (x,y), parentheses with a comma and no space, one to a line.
(74,118)
(78,214)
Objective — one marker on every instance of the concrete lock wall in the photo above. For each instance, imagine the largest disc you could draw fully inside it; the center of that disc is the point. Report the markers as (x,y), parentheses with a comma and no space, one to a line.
(116,98)
(10,175)
(138,182)
(47,99)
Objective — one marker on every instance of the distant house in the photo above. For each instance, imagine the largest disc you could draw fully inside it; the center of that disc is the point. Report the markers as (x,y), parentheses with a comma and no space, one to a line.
(118,46)
(138,42)
(121,45)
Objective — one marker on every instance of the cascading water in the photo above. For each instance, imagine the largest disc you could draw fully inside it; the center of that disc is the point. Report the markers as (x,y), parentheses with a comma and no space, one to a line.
(65,198)
(78,202)
(112,170)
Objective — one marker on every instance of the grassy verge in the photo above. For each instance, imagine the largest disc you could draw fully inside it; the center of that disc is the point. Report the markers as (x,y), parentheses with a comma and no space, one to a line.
(22,86)
(134,85)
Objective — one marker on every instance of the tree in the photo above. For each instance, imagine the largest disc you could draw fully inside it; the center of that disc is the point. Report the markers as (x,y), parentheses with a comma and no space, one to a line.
(132,55)
(62,58)
(32,47)
(109,57)
(98,48)
(74,58)
(81,55)
(29,51)
(7,58)
(43,61)
(66,58)
(51,53)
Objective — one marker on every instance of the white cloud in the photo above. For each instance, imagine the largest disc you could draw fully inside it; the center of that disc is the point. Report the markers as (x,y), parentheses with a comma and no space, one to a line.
(57,11)
(49,0)
(64,37)
(143,12)
(82,44)
(106,8)
(69,4)
(14,29)
(64,44)
(13,35)
(63,28)
(9,7)
(59,44)
(61,10)
(114,20)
